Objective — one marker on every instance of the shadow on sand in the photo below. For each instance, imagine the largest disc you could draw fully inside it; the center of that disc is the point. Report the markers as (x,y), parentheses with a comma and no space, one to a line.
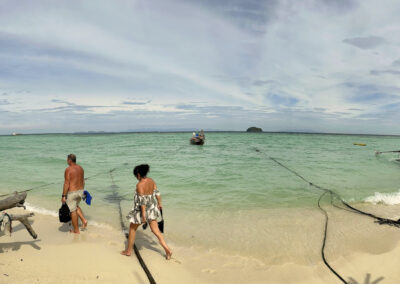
(65,227)
(145,241)
(17,245)
(367,280)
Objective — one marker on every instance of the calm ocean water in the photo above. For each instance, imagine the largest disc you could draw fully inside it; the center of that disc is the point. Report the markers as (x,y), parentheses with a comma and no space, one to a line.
(211,184)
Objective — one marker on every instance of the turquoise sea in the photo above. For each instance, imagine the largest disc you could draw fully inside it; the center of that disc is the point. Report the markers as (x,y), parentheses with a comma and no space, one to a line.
(205,189)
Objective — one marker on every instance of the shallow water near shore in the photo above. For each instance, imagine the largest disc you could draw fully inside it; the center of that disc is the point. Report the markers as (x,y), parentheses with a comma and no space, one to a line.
(223,195)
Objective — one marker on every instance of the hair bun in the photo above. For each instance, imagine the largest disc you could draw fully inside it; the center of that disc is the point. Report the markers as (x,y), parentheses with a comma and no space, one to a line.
(142,169)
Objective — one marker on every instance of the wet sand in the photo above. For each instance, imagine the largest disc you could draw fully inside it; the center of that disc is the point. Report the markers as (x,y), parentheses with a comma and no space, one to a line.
(356,247)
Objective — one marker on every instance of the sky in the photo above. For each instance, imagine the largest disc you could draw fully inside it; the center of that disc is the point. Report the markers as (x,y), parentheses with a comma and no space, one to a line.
(289,65)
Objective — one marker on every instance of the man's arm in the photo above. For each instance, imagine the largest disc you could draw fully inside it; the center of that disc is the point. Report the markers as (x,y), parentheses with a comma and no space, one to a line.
(66,186)
(83,176)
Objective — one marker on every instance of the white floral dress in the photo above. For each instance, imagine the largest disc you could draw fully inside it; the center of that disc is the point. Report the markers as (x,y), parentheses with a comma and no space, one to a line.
(150,201)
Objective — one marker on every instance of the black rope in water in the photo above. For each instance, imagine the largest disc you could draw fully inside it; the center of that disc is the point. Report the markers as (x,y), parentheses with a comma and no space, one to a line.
(379,220)
(56,182)
(124,228)
(29,189)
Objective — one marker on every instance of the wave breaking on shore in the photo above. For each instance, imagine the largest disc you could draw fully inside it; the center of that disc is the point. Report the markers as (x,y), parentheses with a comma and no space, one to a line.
(391,198)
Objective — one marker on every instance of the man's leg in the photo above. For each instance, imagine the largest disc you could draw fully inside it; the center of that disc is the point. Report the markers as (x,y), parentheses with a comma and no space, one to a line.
(74,219)
(80,215)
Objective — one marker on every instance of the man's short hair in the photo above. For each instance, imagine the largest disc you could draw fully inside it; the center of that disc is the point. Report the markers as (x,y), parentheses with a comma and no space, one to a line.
(72,157)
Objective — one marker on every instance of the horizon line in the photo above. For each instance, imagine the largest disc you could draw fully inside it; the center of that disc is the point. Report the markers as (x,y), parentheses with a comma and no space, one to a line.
(186,131)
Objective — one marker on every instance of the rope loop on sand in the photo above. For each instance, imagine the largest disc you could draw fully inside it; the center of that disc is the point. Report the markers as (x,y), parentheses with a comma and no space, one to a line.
(379,220)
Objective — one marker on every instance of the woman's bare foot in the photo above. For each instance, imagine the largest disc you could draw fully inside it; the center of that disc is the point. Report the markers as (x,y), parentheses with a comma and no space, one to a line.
(168,255)
(126,252)
(72,231)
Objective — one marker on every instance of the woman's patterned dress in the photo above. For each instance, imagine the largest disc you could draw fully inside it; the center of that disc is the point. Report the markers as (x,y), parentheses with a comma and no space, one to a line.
(152,212)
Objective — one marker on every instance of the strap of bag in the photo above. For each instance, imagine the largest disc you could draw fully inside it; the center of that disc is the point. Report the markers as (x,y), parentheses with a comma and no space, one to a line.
(162,217)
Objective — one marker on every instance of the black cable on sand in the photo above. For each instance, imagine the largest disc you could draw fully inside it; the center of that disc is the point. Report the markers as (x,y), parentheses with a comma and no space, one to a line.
(324,240)
(350,208)
(123,227)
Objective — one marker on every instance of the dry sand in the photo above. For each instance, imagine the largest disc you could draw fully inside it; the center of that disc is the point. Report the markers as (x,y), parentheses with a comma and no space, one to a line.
(356,247)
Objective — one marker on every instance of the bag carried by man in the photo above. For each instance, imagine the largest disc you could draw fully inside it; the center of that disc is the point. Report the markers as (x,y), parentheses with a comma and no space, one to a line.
(64,213)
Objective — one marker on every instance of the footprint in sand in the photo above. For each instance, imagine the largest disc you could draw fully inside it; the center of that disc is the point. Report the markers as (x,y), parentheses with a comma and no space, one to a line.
(94,235)
(175,260)
(209,270)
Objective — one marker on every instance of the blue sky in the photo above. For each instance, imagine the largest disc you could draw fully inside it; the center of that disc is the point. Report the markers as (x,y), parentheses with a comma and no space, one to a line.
(326,66)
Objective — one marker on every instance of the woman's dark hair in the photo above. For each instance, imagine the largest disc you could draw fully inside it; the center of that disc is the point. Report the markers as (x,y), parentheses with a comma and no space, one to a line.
(142,169)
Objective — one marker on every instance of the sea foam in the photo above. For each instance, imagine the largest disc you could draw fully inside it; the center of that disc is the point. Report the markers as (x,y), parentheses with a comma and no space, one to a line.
(40,210)
(44,211)
(392,198)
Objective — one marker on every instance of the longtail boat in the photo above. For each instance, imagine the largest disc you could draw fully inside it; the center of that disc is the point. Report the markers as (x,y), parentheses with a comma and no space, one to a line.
(198,139)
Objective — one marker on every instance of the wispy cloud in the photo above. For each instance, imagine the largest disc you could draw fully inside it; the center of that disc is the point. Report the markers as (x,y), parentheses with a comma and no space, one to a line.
(136,103)
(280,65)
(368,42)
(4,102)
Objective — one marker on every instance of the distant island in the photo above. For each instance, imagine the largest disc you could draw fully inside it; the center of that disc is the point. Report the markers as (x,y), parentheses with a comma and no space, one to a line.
(254,129)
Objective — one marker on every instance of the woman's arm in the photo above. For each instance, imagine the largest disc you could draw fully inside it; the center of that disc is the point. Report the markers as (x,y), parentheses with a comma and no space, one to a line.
(159,201)
(143,209)
(158,196)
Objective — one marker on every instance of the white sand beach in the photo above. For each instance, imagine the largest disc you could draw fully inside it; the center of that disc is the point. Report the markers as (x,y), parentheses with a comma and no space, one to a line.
(356,247)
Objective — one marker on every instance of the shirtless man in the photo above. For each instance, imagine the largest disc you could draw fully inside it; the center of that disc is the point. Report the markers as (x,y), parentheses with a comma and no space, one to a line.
(73,191)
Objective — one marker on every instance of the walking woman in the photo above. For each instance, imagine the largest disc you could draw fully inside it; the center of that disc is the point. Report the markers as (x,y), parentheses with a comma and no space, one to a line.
(146,208)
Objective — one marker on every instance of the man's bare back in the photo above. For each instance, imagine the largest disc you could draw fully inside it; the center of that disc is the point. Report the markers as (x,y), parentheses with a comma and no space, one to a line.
(74,178)
(73,191)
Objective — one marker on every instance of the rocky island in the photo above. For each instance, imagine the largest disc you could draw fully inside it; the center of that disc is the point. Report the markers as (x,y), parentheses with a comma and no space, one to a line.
(254,129)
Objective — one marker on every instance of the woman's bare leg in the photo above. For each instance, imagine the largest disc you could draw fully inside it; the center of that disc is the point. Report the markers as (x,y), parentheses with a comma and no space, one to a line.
(131,239)
(157,233)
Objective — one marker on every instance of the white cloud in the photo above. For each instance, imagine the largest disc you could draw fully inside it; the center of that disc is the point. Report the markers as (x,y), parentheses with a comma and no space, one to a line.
(306,60)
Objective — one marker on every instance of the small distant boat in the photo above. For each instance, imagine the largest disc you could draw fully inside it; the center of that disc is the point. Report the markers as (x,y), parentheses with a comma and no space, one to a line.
(396,160)
(196,141)
(15,134)
(359,144)
(198,138)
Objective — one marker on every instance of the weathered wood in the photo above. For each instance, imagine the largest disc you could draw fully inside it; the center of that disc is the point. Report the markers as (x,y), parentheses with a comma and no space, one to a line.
(16,200)
(24,220)
(21,216)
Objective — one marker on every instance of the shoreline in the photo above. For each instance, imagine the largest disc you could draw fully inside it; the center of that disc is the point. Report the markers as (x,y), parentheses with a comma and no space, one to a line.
(93,256)
(355,248)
